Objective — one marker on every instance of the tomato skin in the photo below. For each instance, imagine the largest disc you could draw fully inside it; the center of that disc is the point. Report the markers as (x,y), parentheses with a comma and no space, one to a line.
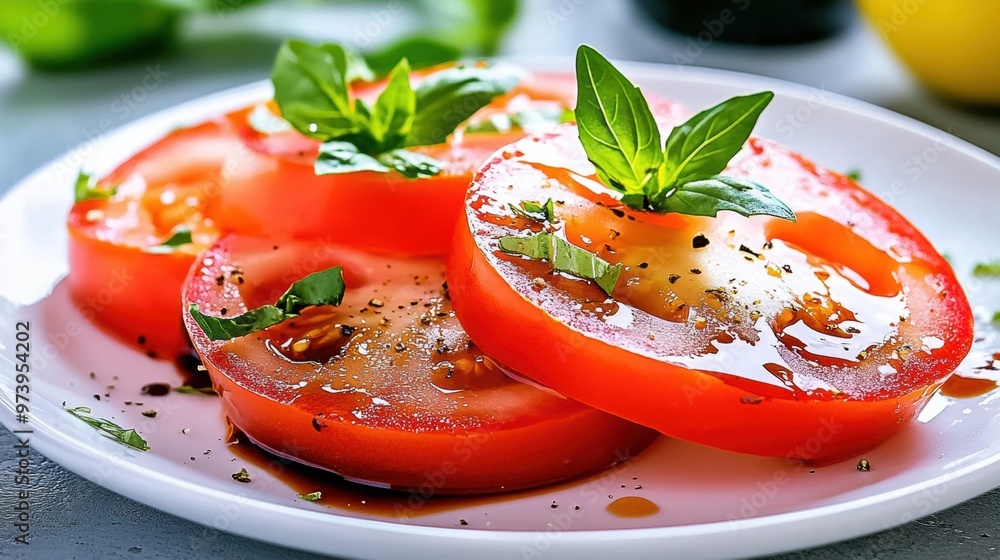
(705,406)
(502,438)
(272,188)
(116,281)
(126,291)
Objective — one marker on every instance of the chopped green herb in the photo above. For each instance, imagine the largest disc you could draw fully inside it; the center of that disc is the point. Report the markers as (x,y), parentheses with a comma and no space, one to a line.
(181,236)
(242,476)
(531,210)
(325,287)
(996,317)
(189,390)
(311,87)
(621,138)
(128,438)
(986,269)
(527,120)
(563,256)
(86,189)
(853,174)
(312,496)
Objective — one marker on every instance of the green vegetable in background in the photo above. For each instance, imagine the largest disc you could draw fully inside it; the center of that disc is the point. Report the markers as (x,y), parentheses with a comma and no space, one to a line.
(68,34)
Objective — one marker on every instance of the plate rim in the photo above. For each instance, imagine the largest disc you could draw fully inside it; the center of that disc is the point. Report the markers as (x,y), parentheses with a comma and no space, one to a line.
(975,475)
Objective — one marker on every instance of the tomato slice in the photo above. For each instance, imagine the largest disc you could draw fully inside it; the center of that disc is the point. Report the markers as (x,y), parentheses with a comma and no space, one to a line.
(224,175)
(815,340)
(273,190)
(387,388)
(117,276)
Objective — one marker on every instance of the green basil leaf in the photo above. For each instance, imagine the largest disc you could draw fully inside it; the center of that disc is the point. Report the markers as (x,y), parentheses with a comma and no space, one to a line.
(189,390)
(987,269)
(853,174)
(392,114)
(447,98)
(421,51)
(996,317)
(703,146)
(528,120)
(85,190)
(535,211)
(311,89)
(709,196)
(344,157)
(325,287)
(616,127)
(563,256)
(411,165)
(127,437)
(181,236)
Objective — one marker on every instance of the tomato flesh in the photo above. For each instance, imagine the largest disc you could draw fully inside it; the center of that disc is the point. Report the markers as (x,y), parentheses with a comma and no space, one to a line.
(273,190)
(816,339)
(387,387)
(116,277)
(225,176)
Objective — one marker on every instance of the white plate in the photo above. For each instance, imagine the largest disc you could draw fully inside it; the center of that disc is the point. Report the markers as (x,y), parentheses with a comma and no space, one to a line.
(713,504)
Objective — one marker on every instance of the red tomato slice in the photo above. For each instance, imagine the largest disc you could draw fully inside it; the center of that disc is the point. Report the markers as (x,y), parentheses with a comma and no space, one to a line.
(219,177)
(815,340)
(387,388)
(273,190)
(116,276)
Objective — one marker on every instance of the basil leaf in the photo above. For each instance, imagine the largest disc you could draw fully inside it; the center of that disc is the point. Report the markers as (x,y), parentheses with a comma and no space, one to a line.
(563,256)
(996,318)
(392,114)
(534,211)
(987,269)
(181,236)
(344,157)
(127,437)
(421,51)
(447,98)
(853,174)
(709,196)
(703,146)
(189,390)
(411,165)
(616,127)
(84,190)
(311,88)
(325,287)
(527,120)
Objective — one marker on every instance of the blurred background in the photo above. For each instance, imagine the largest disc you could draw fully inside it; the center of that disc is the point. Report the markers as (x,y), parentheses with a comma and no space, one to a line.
(72,70)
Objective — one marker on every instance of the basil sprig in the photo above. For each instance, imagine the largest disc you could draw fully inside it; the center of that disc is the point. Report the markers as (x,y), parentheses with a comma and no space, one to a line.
(312,89)
(127,437)
(325,287)
(620,136)
(563,256)
(85,189)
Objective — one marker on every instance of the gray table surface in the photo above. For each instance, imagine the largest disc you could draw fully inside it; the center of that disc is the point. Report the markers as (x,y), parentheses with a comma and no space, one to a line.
(44,115)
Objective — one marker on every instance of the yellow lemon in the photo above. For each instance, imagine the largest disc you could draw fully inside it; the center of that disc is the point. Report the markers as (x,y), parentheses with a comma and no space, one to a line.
(951,45)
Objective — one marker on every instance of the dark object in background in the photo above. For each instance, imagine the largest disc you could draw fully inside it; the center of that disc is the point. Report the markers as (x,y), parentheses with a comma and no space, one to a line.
(759,22)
